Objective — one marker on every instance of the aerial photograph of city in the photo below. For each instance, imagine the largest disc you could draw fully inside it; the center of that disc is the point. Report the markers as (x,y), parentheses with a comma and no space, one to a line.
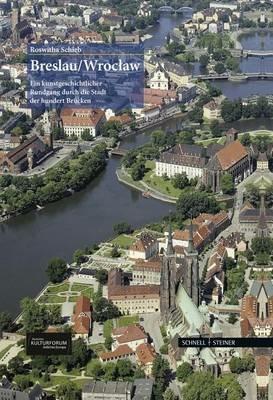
(136,199)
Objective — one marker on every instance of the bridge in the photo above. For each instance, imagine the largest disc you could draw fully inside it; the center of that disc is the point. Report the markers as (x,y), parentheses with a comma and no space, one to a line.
(170,9)
(239,77)
(257,53)
(119,152)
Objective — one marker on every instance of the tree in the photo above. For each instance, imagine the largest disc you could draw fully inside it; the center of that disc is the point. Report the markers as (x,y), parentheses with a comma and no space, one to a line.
(68,391)
(17,131)
(34,315)
(190,204)
(79,256)
(169,395)
(262,245)
(158,138)
(108,342)
(122,227)
(232,318)
(95,369)
(79,357)
(5,321)
(196,115)
(236,365)
(227,184)
(180,181)
(184,371)
(215,128)
(161,373)
(138,171)
(125,368)
(16,365)
(220,68)
(86,135)
(23,381)
(104,309)
(139,373)
(231,110)
(56,270)
(245,139)
(115,253)
(202,386)
(110,371)
(102,276)
(213,91)
(204,60)
(164,348)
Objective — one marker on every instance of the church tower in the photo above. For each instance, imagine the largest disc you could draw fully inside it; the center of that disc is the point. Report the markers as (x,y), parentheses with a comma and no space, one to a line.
(262,228)
(191,283)
(168,281)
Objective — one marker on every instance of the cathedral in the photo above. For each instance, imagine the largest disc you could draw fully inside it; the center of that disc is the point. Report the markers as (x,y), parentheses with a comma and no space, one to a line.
(186,274)
(182,313)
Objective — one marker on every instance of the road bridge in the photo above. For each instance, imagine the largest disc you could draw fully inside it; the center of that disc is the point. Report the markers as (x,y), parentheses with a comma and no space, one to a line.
(170,9)
(239,77)
(257,53)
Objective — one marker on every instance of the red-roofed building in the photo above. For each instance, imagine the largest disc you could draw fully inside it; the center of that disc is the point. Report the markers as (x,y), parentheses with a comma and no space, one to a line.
(121,353)
(132,335)
(77,120)
(145,355)
(82,317)
(144,248)
(233,159)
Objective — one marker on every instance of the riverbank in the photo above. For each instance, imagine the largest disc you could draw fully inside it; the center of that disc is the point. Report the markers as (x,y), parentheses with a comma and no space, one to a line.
(21,194)
(141,186)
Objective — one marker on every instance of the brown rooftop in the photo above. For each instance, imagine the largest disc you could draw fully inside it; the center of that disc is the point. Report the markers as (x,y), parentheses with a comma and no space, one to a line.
(231,154)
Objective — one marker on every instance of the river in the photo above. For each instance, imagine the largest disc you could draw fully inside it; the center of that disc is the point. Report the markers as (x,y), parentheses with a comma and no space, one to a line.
(29,241)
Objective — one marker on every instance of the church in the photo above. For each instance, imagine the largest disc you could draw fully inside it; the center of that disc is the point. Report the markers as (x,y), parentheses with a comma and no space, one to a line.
(182,313)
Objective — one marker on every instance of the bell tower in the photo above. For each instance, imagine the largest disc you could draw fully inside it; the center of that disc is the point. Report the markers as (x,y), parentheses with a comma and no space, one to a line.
(168,280)
(192,284)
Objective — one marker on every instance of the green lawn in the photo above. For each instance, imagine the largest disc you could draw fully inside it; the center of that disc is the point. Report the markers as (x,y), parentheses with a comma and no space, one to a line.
(119,322)
(53,299)
(73,299)
(98,348)
(4,351)
(107,328)
(73,372)
(63,287)
(81,382)
(123,241)
(86,290)
(127,320)
(158,183)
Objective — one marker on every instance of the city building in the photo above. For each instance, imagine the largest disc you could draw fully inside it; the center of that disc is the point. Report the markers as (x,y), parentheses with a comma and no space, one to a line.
(143,389)
(140,389)
(25,156)
(131,335)
(145,356)
(253,220)
(233,159)
(78,120)
(146,272)
(123,352)
(98,390)
(82,318)
(186,93)
(211,110)
(135,299)
(257,310)
(8,391)
(159,78)
(144,248)
(182,158)
(262,162)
